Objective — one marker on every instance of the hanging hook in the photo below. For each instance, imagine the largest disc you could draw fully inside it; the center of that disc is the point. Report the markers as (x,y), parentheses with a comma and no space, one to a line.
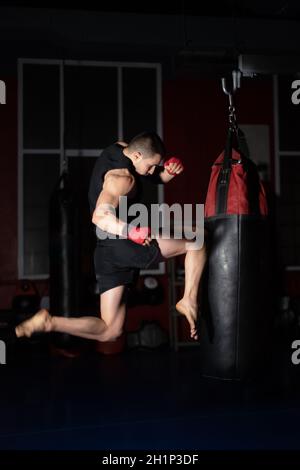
(236,83)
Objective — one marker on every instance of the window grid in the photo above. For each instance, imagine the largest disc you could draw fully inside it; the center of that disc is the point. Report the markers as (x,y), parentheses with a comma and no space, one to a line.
(279,155)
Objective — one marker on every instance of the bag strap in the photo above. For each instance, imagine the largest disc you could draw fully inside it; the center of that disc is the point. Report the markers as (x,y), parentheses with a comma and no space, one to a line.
(224,175)
(225,172)
(228,150)
(242,143)
(242,146)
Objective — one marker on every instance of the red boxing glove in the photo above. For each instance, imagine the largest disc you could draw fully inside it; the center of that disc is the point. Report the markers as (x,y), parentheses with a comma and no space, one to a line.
(172,160)
(139,234)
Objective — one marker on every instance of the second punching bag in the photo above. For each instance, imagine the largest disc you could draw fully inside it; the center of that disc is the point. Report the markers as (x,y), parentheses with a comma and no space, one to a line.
(63,254)
(235,316)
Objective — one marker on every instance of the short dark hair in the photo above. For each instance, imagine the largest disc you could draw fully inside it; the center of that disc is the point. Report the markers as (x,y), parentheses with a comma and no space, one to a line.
(149,143)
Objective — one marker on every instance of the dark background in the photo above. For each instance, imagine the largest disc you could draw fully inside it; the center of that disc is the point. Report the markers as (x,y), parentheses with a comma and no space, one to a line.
(196,45)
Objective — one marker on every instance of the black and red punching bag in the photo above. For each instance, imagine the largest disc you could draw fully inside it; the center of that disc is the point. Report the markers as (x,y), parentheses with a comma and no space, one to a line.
(235,318)
(63,254)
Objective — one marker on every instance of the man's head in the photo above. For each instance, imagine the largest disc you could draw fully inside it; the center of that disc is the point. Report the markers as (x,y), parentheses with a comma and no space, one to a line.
(145,151)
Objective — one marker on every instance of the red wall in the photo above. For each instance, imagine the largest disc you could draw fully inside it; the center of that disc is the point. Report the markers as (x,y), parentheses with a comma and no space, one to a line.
(194,124)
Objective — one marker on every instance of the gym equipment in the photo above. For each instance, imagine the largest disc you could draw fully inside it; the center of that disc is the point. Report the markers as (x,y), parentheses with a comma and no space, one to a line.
(26,301)
(149,336)
(64,270)
(172,160)
(148,291)
(152,292)
(139,234)
(235,320)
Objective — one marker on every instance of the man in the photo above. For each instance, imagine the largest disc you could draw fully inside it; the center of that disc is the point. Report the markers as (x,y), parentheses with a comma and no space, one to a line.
(123,249)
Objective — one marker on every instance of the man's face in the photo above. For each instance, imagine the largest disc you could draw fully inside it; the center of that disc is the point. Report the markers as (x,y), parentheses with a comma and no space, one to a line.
(145,166)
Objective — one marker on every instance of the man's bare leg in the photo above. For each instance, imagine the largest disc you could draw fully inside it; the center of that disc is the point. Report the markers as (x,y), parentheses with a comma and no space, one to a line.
(106,328)
(194,264)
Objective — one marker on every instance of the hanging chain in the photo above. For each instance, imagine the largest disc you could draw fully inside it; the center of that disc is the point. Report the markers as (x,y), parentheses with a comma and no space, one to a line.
(232,117)
(236,79)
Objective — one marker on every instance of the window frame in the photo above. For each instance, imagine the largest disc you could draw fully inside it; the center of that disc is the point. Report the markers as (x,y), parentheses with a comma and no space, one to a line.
(278,153)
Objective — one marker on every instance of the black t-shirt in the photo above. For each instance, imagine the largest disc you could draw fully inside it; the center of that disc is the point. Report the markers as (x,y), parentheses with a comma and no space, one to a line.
(112,158)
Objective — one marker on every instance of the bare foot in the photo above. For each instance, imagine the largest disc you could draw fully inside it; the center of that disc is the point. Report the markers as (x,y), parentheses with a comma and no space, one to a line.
(190,311)
(40,322)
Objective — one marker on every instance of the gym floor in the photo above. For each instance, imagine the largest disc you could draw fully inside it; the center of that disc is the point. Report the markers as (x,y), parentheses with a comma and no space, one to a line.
(142,399)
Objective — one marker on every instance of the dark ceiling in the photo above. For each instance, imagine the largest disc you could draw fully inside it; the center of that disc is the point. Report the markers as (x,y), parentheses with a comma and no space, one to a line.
(274,9)
(204,36)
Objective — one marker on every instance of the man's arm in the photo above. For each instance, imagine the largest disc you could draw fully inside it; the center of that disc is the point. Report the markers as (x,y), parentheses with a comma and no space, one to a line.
(164,174)
(117,183)
(156,177)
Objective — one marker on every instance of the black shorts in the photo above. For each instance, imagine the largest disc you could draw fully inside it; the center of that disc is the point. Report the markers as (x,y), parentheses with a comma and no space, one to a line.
(118,261)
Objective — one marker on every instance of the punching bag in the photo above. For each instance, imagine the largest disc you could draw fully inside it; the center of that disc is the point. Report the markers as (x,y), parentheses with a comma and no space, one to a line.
(235,320)
(63,255)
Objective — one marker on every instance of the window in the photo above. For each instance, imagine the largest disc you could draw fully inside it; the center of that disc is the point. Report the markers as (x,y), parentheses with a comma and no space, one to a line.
(72,110)
(287,165)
